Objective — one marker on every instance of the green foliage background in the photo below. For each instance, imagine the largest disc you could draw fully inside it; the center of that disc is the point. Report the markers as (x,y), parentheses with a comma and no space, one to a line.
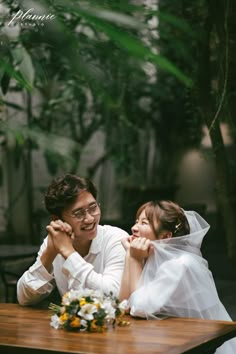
(139,73)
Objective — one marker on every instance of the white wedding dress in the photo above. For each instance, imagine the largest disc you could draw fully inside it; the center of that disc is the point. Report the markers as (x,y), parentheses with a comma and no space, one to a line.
(176,281)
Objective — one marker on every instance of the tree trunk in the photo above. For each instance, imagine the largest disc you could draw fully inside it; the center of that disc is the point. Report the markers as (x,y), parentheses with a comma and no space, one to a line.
(209,105)
(224,190)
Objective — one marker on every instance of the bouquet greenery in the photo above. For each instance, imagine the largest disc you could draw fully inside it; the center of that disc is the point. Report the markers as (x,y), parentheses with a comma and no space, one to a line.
(88,310)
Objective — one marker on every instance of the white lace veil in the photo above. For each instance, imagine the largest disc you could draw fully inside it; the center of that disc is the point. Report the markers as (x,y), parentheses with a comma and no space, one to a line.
(191,242)
(176,280)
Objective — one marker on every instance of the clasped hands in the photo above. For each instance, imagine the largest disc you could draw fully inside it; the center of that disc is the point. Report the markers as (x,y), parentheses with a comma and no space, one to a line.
(60,238)
(139,248)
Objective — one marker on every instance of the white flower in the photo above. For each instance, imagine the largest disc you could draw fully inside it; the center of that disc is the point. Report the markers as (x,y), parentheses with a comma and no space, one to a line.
(87,311)
(55,321)
(84,324)
(97,302)
(123,306)
(76,302)
(109,309)
(88,292)
(74,295)
(70,296)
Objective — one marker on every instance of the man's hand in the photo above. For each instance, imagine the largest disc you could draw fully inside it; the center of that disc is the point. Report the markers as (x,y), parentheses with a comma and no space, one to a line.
(62,237)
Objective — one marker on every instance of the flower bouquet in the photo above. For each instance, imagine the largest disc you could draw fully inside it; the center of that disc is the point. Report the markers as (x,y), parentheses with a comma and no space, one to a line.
(88,310)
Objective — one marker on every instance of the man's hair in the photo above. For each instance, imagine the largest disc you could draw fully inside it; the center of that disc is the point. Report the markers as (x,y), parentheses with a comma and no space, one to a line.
(63,191)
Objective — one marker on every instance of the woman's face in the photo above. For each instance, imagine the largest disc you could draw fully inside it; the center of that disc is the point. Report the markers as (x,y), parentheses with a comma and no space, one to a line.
(142,228)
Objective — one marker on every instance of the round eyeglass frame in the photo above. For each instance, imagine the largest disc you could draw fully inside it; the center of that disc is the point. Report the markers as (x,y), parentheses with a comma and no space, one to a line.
(85,211)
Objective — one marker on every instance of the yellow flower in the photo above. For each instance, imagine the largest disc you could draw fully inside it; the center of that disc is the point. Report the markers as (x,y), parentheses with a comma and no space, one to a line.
(75,322)
(82,301)
(121,322)
(95,315)
(65,296)
(64,317)
(93,326)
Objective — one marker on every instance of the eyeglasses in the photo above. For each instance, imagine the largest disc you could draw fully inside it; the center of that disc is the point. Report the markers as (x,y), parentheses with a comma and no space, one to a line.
(80,214)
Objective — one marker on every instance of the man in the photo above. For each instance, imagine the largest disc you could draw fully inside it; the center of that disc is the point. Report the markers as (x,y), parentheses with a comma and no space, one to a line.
(77,252)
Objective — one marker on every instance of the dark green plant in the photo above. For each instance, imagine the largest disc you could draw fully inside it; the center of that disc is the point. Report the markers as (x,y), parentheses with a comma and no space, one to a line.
(87,69)
(83,65)
(211,66)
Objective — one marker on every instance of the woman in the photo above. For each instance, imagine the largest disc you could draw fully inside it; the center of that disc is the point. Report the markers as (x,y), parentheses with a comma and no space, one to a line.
(165,273)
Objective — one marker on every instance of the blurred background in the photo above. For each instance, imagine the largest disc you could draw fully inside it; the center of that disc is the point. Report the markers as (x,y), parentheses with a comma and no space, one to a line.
(137,95)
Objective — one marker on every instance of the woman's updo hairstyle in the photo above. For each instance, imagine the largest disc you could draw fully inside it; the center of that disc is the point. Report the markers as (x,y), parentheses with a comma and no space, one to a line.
(165,215)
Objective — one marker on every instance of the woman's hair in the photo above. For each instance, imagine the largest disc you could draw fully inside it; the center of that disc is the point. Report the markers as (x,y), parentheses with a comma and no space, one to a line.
(63,191)
(165,216)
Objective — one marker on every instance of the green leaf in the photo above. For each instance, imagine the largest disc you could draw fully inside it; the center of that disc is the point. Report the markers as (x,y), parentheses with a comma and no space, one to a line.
(177,22)
(5,81)
(18,152)
(124,39)
(12,105)
(2,72)
(53,161)
(4,76)
(14,74)
(135,46)
(24,62)
(118,18)
(19,138)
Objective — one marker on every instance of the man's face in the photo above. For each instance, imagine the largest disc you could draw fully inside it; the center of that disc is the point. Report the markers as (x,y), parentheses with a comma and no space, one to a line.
(83,216)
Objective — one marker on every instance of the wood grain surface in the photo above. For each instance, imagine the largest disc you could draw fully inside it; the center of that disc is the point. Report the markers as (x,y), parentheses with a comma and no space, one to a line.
(25,330)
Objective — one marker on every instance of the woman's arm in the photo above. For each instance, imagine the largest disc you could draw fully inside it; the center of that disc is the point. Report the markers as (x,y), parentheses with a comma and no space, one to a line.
(131,276)
(137,251)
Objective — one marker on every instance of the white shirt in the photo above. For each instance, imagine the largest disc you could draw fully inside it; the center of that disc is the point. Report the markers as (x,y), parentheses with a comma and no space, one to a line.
(100,269)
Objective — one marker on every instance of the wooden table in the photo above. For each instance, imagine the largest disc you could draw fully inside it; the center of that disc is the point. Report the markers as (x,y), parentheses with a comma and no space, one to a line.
(25,330)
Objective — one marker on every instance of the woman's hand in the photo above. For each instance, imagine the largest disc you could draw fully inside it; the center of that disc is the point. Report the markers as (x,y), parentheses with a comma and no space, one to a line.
(140,248)
(126,242)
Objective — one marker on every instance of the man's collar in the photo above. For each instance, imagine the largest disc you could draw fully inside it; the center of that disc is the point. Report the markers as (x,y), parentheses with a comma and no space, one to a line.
(96,242)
